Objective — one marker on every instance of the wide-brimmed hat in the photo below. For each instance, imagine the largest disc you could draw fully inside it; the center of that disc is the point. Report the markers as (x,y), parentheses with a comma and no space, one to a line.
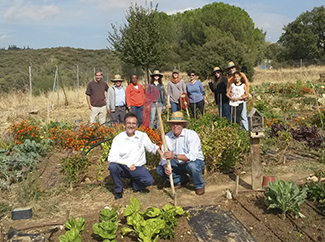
(117,78)
(231,65)
(217,68)
(177,117)
(156,73)
(175,71)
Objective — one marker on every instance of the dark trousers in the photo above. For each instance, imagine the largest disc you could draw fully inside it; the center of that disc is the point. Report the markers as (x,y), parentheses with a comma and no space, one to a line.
(140,177)
(236,113)
(118,115)
(195,106)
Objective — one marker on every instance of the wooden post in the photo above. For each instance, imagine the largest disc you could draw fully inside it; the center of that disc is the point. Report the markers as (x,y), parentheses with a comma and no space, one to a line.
(78,81)
(256,164)
(30,88)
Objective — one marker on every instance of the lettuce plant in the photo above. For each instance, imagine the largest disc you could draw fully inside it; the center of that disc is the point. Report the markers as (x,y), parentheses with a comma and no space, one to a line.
(286,196)
(108,226)
(74,229)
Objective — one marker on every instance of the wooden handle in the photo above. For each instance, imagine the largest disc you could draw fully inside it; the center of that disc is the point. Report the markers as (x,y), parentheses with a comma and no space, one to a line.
(163,138)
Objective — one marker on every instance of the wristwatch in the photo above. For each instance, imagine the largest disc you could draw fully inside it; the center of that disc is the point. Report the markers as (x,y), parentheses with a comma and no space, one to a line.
(175,157)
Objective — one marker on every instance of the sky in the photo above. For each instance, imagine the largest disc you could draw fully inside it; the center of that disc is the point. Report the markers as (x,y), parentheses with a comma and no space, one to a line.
(85,24)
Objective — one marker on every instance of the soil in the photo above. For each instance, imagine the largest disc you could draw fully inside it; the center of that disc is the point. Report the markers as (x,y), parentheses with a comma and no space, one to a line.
(60,201)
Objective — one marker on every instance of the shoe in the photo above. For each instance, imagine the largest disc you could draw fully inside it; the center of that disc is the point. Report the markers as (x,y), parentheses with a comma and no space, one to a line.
(183,183)
(200,191)
(118,195)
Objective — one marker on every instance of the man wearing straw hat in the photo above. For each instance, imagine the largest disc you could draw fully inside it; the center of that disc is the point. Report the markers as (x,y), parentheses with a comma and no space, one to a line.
(185,154)
(116,102)
(232,68)
(96,98)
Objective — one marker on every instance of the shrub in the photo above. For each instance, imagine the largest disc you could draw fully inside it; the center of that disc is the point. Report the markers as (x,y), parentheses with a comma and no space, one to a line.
(24,130)
(75,167)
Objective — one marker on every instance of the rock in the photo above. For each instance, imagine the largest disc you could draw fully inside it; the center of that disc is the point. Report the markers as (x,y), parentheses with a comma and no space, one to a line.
(312,178)
(87,180)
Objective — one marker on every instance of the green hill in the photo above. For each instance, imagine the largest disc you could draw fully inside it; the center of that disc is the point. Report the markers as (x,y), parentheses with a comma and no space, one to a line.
(14,67)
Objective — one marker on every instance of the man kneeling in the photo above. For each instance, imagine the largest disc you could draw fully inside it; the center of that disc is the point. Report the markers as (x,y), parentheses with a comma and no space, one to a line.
(185,153)
(127,157)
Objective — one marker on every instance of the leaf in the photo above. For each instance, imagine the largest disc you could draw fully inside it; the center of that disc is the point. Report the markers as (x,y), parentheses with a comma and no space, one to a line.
(106,230)
(107,214)
(132,208)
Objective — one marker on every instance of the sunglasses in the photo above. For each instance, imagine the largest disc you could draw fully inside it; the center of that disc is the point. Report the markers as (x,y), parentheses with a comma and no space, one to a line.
(192,75)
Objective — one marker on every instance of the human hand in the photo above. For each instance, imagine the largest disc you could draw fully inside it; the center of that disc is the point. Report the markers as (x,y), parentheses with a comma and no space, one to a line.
(108,110)
(169,106)
(168,155)
(206,101)
(168,171)
(132,168)
(209,80)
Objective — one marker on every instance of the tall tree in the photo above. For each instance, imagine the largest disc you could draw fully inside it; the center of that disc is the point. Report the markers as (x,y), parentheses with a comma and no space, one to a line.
(143,39)
(304,38)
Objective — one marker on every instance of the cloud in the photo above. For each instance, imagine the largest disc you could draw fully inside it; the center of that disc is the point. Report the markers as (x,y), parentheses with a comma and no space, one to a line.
(110,4)
(5,37)
(22,13)
(174,11)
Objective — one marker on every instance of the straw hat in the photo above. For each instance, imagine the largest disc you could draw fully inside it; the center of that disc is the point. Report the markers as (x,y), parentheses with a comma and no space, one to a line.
(156,73)
(231,65)
(178,118)
(117,78)
(217,68)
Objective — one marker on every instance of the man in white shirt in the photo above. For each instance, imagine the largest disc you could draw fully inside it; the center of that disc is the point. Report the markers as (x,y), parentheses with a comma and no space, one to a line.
(185,154)
(127,157)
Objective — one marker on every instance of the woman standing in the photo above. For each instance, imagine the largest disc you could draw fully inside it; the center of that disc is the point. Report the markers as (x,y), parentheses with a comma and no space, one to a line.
(196,94)
(219,88)
(156,81)
(175,87)
(135,98)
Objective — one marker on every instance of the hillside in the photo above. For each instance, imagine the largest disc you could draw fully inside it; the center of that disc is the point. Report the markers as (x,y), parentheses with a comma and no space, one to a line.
(14,66)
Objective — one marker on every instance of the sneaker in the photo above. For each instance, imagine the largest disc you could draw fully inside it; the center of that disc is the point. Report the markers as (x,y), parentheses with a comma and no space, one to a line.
(118,195)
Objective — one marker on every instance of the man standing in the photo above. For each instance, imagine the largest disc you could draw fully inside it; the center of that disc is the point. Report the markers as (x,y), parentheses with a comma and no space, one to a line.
(127,157)
(116,102)
(96,98)
(185,154)
(135,98)
(232,68)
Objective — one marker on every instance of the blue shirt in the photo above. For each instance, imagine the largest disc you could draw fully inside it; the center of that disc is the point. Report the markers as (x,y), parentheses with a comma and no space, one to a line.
(120,96)
(195,91)
(187,143)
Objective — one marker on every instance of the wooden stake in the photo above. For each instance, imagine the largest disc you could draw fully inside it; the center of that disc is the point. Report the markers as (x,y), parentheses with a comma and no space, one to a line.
(256,164)
(237,185)
(163,138)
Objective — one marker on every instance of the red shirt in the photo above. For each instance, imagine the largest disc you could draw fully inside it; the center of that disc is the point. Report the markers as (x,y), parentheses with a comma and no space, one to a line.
(134,96)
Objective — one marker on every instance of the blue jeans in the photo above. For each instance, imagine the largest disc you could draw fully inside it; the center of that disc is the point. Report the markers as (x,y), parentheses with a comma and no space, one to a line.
(244,120)
(140,177)
(193,168)
(174,107)
(138,112)
(154,114)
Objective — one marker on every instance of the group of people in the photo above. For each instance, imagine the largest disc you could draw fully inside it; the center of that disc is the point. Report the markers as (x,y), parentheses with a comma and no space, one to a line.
(127,154)
(230,94)
(118,99)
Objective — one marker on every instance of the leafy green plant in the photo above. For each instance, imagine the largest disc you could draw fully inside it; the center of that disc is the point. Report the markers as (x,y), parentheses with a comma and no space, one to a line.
(75,227)
(75,167)
(153,222)
(286,196)
(108,226)
(316,192)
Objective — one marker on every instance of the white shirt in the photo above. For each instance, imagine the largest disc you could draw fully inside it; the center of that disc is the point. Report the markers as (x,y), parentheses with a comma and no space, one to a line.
(131,150)
(237,91)
(187,143)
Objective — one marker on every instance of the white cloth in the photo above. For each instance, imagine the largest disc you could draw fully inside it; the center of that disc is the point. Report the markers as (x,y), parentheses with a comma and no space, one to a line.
(131,150)
(237,91)
(187,143)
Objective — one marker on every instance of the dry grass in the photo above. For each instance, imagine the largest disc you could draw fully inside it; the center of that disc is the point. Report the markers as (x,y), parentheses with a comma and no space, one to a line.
(304,74)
